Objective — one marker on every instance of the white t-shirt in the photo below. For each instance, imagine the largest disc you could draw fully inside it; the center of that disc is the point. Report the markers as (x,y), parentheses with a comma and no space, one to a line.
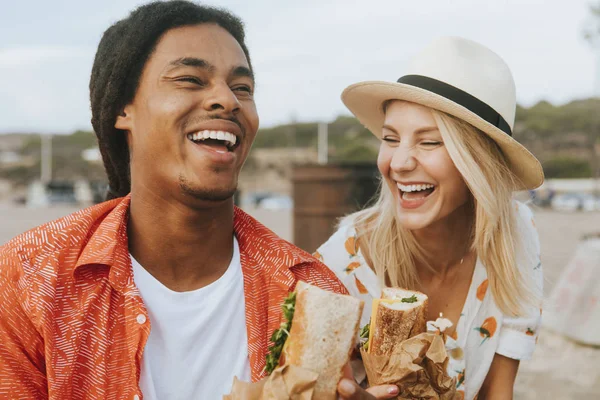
(198,339)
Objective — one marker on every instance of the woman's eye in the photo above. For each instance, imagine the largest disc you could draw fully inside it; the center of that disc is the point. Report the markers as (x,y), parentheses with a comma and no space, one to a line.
(390,139)
(431,144)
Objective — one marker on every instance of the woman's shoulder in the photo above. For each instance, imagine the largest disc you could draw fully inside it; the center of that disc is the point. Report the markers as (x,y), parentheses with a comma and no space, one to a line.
(340,239)
(526,228)
(524,212)
(341,254)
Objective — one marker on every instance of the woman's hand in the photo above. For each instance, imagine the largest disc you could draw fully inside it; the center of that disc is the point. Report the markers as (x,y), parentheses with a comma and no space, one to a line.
(349,390)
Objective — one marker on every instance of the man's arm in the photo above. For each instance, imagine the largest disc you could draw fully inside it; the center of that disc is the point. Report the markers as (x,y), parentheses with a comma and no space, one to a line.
(22,366)
(500,380)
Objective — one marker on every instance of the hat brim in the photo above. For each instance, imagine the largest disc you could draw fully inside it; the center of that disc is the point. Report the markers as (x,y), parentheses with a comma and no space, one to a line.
(365,101)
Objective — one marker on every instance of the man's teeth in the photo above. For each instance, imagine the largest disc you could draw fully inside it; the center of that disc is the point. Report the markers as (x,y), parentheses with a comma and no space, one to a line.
(230,138)
(414,188)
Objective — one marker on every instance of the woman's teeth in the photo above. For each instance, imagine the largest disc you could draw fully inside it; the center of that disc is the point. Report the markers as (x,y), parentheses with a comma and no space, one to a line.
(414,188)
(229,138)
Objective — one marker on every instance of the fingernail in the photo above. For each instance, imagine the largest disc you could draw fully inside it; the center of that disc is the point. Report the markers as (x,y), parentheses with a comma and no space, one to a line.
(347,386)
(393,390)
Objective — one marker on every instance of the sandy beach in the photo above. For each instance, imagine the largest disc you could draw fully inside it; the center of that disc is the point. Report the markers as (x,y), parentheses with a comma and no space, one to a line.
(560,369)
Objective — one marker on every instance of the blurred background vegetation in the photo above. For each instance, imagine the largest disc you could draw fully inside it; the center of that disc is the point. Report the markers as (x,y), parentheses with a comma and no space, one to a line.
(565,138)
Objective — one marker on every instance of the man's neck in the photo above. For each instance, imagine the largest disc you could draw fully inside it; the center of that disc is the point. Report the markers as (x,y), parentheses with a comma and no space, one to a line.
(182,247)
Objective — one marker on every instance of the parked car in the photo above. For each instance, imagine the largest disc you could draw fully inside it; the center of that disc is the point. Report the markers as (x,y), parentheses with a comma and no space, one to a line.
(277,203)
(253,199)
(61,192)
(576,202)
(590,203)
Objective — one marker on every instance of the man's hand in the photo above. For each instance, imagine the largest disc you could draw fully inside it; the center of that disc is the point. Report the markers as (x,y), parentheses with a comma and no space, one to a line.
(349,390)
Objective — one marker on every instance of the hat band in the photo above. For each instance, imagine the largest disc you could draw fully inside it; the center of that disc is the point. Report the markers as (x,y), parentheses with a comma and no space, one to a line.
(458,96)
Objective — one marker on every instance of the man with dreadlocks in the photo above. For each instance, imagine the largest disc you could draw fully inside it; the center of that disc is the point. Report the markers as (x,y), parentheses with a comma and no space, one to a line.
(166,290)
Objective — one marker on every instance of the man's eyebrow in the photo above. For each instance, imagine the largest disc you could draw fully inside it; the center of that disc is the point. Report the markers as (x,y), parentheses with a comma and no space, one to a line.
(192,62)
(242,72)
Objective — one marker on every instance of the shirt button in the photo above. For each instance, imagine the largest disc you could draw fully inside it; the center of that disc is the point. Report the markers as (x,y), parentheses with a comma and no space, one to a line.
(141,319)
(136,397)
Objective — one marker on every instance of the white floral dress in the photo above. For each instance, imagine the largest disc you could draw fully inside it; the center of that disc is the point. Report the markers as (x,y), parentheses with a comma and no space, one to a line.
(482,329)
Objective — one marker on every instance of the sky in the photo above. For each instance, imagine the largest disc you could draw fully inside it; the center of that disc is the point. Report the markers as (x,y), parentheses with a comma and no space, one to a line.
(304,52)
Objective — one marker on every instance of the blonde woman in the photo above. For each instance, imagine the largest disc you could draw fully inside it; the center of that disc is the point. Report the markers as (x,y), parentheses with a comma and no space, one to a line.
(445,222)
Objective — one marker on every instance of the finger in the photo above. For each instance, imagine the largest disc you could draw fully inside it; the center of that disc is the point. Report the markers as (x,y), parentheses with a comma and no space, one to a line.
(349,390)
(384,391)
(347,385)
(348,372)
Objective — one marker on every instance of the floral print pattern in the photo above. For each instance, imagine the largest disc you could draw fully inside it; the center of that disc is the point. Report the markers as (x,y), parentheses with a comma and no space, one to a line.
(488,328)
(482,329)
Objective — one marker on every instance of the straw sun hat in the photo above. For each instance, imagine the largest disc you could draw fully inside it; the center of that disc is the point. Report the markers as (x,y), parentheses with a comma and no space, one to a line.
(461,78)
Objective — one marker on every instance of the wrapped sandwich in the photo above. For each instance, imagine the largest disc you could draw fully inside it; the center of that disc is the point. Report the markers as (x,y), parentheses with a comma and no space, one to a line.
(399,351)
(315,340)
(398,315)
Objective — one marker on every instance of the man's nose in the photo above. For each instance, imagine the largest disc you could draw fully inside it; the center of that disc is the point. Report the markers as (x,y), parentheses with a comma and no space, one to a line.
(221,98)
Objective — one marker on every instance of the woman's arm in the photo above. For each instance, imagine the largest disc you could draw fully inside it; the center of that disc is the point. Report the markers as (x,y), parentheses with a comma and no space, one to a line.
(499,382)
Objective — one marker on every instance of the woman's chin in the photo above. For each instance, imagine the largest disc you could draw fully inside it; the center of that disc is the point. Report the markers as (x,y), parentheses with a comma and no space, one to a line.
(414,222)
(418,218)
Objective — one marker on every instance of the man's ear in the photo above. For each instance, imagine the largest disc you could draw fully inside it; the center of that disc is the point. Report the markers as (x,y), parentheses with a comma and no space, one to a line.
(124,119)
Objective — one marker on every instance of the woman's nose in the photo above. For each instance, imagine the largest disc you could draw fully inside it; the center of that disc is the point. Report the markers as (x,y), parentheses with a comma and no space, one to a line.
(403,159)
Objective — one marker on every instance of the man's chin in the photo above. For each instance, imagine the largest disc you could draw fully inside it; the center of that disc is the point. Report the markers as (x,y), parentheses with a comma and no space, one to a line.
(208,195)
(216,195)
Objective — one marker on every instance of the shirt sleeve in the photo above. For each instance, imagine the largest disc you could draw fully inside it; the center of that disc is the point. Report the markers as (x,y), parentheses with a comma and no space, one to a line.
(341,254)
(518,335)
(334,255)
(22,365)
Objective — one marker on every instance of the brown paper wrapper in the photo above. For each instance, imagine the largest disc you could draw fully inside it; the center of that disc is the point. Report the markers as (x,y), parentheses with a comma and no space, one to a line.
(285,383)
(417,367)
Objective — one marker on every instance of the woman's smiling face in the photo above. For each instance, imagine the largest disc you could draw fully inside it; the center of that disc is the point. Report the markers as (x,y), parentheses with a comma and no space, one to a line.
(417,168)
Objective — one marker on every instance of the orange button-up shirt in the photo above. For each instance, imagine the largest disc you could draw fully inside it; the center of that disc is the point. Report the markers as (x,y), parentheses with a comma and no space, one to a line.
(73,324)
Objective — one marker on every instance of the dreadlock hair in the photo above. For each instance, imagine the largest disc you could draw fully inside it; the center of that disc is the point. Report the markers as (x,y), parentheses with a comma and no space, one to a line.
(122,54)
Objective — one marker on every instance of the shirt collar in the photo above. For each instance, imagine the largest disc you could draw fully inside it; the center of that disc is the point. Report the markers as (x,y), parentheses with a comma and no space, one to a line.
(108,245)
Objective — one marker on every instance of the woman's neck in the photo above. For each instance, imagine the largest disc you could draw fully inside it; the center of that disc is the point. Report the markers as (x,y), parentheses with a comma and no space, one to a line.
(447,242)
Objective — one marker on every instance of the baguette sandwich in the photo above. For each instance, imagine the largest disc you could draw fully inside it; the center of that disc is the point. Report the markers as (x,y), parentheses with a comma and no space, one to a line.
(398,315)
(323,332)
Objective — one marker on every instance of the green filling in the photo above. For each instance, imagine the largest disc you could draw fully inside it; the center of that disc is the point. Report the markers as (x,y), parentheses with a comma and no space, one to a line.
(280,335)
(411,299)
(364,335)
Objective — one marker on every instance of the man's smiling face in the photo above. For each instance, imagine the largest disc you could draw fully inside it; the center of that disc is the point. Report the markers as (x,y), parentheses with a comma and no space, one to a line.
(193,118)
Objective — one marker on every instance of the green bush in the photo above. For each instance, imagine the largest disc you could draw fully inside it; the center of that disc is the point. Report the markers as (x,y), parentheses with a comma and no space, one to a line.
(355,152)
(567,167)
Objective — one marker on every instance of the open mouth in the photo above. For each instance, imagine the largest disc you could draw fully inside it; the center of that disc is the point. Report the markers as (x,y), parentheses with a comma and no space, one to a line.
(415,192)
(218,140)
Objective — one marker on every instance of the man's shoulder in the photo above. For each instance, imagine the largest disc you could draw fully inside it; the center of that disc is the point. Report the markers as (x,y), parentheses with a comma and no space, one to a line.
(275,255)
(52,239)
(261,243)
(317,274)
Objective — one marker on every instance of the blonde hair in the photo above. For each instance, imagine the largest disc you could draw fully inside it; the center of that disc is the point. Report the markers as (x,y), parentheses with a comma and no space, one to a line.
(393,251)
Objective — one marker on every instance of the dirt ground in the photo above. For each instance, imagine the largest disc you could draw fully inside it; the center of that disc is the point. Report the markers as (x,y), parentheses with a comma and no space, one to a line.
(560,369)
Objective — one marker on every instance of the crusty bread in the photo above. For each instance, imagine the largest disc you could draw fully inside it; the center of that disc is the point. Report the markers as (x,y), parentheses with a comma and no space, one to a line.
(323,334)
(393,321)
